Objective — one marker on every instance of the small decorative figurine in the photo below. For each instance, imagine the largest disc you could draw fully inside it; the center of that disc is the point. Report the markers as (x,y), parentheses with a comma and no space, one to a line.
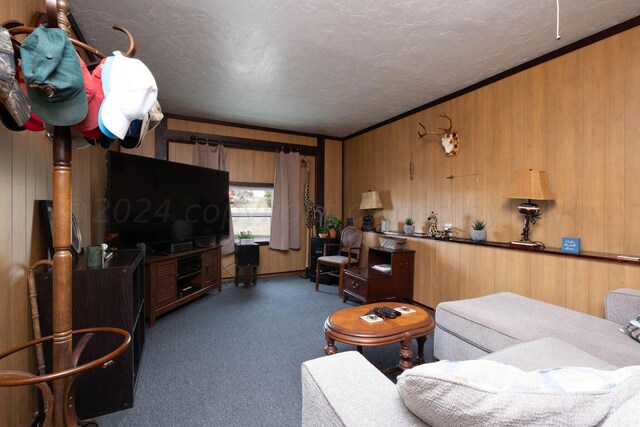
(433,229)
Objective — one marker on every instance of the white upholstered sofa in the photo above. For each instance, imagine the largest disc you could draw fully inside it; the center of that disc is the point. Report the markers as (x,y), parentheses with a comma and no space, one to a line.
(346,390)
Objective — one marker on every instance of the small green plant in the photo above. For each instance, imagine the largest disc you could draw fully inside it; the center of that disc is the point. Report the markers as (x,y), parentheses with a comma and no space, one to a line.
(331,221)
(408,221)
(244,234)
(323,229)
(478,224)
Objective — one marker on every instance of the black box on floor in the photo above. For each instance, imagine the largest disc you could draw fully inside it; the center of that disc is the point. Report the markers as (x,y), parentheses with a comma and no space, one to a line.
(248,255)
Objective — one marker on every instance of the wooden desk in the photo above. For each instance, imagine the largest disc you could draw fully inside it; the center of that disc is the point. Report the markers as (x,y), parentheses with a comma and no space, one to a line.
(367,284)
(346,326)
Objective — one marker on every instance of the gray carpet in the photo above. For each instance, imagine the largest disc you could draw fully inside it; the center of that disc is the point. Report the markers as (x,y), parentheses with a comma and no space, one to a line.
(233,358)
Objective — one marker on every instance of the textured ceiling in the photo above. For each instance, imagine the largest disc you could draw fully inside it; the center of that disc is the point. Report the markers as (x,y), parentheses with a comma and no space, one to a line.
(332,67)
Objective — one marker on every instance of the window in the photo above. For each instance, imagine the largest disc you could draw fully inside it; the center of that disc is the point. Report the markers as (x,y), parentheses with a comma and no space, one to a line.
(251,208)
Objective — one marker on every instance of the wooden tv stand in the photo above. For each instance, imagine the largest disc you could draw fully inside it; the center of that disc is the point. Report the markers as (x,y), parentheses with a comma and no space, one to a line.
(167,287)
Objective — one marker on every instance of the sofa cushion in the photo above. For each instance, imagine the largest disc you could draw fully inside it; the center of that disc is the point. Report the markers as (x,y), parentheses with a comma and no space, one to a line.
(344,389)
(497,321)
(448,346)
(483,392)
(545,353)
(621,305)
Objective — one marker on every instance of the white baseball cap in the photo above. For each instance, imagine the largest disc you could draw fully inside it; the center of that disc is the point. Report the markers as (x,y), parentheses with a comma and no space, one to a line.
(133,93)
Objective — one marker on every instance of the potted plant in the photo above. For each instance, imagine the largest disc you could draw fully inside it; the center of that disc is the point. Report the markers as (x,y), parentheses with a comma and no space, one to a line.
(478,231)
(409,226)
(333,225)
(245,237)
(323,232)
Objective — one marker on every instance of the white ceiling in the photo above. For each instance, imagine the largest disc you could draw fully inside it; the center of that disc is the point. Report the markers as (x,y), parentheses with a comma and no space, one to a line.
(332,67)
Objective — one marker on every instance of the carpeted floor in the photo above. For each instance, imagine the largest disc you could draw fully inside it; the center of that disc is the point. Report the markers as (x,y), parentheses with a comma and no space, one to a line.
(233,358)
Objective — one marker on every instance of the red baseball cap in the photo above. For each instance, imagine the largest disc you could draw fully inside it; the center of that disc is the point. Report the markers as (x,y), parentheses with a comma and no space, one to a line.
(89,125)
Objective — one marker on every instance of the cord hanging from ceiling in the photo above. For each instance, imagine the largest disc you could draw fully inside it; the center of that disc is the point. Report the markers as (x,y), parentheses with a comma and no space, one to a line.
(557,19)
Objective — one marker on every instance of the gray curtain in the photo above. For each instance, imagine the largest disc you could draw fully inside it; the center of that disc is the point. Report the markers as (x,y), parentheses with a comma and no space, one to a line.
(285,216)
(215,157)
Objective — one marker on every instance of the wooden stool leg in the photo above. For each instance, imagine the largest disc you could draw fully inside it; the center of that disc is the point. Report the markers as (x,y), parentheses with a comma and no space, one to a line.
(340,280)
(247,277)
(317,275)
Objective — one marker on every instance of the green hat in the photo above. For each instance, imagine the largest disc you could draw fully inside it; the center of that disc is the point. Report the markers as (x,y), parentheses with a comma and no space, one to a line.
(55,83)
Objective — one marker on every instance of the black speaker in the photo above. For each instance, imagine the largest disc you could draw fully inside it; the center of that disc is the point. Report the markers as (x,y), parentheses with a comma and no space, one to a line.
(248,255)
(180,246)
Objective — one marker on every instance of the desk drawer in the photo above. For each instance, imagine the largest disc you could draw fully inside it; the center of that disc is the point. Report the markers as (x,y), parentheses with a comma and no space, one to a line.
(356,286)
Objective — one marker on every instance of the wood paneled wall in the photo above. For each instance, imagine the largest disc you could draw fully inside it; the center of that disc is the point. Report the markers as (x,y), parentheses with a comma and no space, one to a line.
(575,117)
(254,166)
(89,184)
(333,177)
(447,271)
(25,175)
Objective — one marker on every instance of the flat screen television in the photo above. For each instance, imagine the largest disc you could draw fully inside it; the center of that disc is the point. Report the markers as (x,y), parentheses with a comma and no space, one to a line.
(155,201)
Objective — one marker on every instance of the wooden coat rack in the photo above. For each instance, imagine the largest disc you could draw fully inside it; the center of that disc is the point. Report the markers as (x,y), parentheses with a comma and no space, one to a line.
(59,408)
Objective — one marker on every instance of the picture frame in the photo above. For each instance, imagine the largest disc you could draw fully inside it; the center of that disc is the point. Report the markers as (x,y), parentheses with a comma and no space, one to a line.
(571,245)
(46,217)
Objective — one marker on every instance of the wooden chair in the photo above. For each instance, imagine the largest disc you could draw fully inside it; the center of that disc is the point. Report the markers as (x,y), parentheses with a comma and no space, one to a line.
(348,255)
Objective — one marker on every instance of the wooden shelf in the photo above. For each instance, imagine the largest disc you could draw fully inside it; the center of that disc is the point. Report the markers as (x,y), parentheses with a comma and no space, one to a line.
(600,256)
(113,296)
(192,274)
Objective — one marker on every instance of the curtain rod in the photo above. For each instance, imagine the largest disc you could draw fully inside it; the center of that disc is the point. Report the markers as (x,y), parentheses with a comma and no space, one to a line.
(183,137)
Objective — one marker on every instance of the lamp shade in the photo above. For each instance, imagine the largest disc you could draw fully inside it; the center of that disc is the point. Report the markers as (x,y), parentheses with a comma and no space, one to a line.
(370,200)
(530,184)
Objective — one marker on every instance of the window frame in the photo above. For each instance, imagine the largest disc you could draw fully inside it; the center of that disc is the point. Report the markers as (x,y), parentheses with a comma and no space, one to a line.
(263,240)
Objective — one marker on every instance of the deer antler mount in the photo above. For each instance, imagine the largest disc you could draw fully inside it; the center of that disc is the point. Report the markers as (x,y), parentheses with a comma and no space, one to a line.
(448,137)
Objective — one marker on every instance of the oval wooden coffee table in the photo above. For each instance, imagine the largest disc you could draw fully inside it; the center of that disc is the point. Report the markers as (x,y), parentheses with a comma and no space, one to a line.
(346,326)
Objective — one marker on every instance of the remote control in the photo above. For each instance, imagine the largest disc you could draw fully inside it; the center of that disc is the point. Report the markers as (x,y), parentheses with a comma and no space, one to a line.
(378,312)
(390,313)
